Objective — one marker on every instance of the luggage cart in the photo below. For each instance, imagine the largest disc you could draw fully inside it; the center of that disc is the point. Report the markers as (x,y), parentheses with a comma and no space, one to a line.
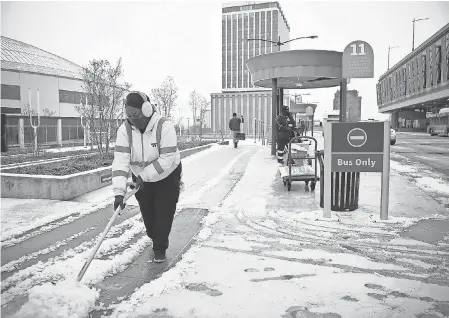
(299,163)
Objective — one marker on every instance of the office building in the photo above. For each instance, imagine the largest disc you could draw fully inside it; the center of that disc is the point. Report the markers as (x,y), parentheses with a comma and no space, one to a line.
(241,21)
(353,105)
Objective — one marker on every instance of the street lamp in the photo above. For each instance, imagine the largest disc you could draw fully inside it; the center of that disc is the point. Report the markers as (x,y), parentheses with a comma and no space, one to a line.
(413,39)
(389,48)
(188,126)
(279,43)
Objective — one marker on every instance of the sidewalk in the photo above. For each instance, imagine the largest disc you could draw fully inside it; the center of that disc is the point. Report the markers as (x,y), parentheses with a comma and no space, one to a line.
(20,216)
(267,252)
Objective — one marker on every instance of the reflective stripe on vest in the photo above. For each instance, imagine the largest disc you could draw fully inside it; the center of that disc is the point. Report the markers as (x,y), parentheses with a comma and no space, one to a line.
(158,134)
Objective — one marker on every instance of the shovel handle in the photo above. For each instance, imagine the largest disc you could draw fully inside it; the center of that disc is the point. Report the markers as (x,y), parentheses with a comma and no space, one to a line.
(105,231)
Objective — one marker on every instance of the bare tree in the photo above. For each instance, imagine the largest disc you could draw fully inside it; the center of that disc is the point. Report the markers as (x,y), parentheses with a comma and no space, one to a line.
(195,105)
(203,108)
(165,97)
(103,103)
(27,110)
(199,106)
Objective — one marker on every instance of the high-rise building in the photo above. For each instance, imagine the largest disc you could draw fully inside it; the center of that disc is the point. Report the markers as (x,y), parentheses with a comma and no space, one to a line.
(242,21)
(251,21)
(353,105)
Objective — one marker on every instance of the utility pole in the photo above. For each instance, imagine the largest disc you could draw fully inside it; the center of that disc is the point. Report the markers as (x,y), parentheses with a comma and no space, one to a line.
(389,49)
(413,37)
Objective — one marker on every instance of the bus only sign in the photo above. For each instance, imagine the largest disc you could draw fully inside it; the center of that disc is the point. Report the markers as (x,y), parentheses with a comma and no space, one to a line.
(350,148)
(357,147)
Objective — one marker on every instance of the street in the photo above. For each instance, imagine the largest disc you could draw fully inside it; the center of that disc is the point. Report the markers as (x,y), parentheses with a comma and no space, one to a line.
(431,151)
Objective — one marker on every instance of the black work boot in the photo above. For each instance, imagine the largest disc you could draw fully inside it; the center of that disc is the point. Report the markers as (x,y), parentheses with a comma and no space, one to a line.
(235,145)
(159,256)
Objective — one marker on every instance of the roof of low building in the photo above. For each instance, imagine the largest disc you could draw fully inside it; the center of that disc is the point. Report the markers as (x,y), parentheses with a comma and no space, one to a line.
(22,57)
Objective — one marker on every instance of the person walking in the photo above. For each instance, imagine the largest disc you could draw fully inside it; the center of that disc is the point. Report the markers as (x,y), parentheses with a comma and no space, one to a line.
(147,146)
(285,129)
(234,126)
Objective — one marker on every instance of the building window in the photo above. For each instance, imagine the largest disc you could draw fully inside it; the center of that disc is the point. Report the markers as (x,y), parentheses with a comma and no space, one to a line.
(423,68)
(70,97)
(438,63)
(379,100)
(11,92)
(430,66)
(418,77)
(410,78)
(390,90)
(404,82)
(447,57)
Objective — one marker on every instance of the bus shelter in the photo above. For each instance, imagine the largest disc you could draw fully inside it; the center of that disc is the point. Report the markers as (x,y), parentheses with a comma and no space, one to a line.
(295,69)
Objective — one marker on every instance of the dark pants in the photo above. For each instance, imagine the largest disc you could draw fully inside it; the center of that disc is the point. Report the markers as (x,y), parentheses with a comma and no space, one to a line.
(157,204)
(281,143)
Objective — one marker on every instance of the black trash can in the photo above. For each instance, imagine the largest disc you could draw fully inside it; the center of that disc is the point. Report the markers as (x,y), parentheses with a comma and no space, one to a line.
(344,188)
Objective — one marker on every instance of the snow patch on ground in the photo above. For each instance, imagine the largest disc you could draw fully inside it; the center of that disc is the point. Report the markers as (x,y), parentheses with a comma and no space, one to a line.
(401,167)
(336,258)
(430,184)
(67,265)
(22,215)
(189,159)
(18,217)
(427,180)
(65,299)
(65,149)
(195,199)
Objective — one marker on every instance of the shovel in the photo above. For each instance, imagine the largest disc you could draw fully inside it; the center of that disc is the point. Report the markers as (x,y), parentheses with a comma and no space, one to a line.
(106,230)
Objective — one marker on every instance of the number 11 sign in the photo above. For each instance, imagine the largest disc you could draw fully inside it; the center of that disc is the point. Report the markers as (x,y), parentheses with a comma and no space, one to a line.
(358,60)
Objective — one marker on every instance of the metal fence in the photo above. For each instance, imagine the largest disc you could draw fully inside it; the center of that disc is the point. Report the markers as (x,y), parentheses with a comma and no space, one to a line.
(47,132)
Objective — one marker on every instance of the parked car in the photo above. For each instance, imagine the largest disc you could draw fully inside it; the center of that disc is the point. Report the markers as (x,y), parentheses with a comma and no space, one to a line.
(392,137)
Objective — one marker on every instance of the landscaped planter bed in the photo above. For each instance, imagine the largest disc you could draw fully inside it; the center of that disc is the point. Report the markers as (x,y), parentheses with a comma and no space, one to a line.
(70,178)
(21,158)
(83,163)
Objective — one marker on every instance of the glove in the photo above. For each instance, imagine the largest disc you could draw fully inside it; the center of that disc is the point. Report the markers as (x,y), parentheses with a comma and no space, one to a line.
(119,201)
(139,183)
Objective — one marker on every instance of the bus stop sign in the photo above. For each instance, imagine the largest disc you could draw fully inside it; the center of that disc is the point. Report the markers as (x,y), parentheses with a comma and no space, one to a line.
(358,60)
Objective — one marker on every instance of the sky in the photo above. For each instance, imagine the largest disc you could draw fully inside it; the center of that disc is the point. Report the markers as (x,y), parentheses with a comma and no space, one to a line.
(182,39)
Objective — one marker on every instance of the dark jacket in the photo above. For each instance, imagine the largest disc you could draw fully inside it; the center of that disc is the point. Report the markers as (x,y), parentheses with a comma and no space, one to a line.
(234,123)
(284,131)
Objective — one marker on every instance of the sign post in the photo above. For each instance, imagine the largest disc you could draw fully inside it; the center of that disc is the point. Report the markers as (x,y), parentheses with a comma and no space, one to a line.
(357,147)
(309,113)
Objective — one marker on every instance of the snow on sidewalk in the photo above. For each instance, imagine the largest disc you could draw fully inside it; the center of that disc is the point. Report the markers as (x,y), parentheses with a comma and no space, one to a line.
(22,215)
(427,179)
(257,257)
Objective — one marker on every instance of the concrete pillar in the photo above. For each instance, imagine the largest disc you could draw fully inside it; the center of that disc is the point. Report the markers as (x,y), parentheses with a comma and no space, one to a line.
(343,99)
(59,134)
(21,133)
(274,89)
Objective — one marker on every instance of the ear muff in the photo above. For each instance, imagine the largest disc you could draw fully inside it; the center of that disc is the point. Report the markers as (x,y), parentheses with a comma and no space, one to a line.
(147,108)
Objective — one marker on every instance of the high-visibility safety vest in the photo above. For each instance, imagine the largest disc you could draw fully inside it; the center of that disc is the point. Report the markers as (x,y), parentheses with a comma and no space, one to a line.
(153,155)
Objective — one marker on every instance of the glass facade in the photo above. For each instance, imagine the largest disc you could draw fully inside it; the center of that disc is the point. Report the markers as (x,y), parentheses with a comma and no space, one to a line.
(426,69)
(438,63)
